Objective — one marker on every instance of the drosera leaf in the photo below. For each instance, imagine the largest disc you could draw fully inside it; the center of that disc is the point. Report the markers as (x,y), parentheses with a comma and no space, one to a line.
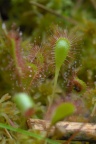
(33,66)
(62,111)
(62,47)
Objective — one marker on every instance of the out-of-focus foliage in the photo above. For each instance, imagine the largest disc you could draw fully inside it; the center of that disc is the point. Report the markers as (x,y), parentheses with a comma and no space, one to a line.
(27,67)
(62,111)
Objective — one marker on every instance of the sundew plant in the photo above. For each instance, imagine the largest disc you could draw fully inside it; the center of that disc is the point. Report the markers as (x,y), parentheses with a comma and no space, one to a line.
(47,66)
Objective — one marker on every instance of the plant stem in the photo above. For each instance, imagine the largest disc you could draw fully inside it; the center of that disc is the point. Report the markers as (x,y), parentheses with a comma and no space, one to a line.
(54,87)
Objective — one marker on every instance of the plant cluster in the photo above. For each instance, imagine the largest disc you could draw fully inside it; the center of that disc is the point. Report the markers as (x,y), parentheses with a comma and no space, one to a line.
(55,68)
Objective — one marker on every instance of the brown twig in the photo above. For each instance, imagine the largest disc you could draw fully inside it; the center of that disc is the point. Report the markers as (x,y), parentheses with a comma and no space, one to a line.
(74,134)
(8,134)
(85,131)
(54,13)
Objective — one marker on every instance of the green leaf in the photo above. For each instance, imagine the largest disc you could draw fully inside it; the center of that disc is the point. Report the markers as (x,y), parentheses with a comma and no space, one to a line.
(62,111)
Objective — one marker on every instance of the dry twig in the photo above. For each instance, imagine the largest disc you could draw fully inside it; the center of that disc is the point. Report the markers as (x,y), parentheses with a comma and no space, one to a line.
(87,131)
(54,12)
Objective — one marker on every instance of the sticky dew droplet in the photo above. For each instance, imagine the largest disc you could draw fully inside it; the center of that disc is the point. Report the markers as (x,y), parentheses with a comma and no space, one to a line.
(30,75)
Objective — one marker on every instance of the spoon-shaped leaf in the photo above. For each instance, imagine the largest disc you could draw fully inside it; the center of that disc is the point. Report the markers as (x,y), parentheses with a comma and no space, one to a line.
(62,111)
(61,49)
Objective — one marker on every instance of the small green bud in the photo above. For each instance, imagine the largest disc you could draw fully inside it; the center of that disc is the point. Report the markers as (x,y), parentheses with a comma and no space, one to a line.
(23,102)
